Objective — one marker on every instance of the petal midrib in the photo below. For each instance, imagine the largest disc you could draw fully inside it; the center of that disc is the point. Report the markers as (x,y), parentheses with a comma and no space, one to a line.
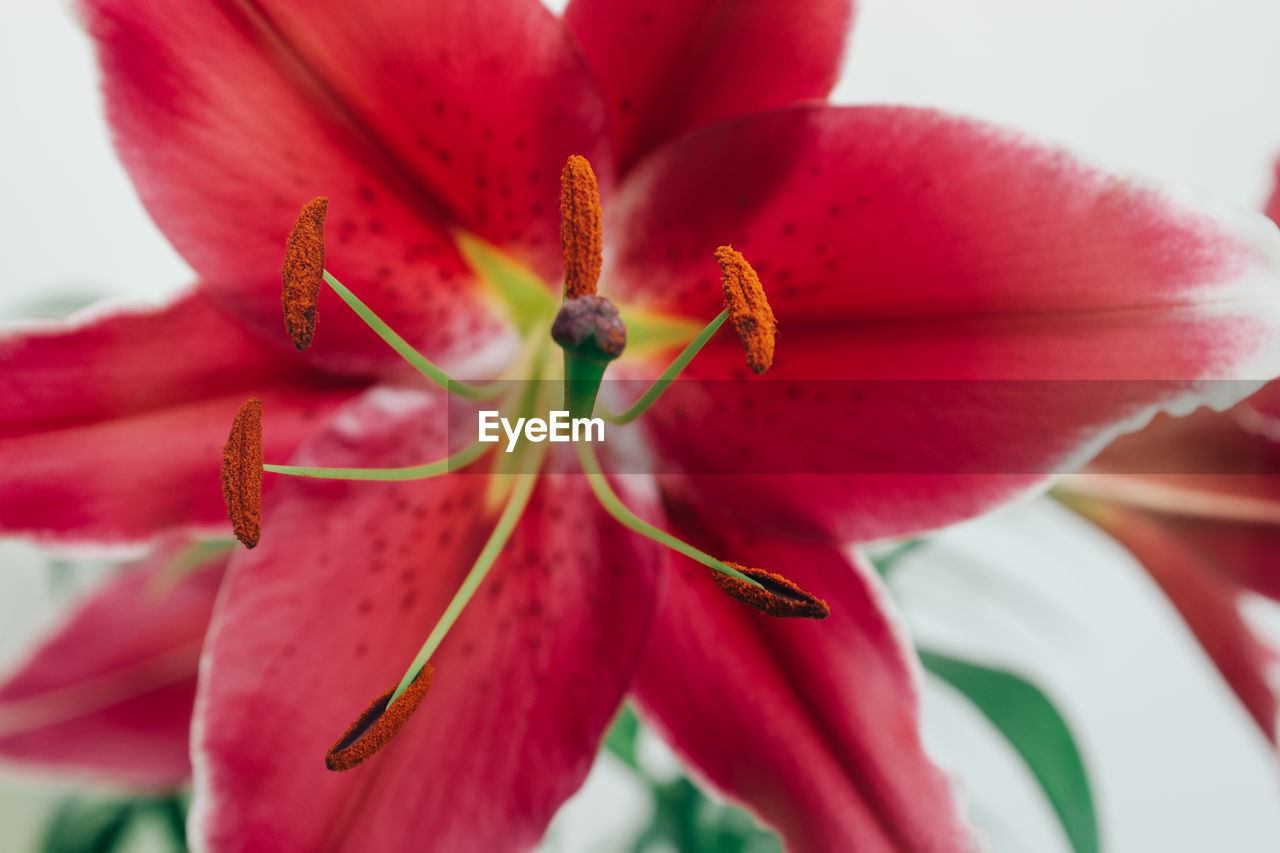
(315,88)
(63,704)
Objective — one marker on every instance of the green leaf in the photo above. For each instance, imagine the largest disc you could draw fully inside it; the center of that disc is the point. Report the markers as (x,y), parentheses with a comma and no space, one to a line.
(56,305)
(83,826)
(886,561)
(621,740)
(684,817)
(172,813)
(1032,725)
(687,819)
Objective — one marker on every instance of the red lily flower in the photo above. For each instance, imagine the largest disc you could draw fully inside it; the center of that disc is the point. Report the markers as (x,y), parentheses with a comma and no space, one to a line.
(900,244)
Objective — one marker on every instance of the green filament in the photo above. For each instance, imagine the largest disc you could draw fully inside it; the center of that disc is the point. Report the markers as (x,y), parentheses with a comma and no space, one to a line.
(616,508)
(668,376)
(408,353)
(463,457)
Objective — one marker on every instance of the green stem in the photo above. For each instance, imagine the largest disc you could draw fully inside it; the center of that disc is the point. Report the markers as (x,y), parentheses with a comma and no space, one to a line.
(407,352)
(616,508)
(668,376)
(463,457)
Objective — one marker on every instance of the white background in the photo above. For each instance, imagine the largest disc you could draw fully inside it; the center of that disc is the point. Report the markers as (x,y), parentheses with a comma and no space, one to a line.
(1182,90)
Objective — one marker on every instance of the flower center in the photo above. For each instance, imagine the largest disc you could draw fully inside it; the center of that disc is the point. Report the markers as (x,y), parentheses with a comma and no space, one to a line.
(591,333)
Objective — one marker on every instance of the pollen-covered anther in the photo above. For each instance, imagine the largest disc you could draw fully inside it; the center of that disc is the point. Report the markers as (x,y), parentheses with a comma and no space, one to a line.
(379,723)
(775,596)
(581,234)
(748,308)
(303,272)
(242,473)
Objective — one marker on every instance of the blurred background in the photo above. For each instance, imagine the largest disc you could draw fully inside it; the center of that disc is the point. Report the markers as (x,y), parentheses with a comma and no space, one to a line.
(1181,90)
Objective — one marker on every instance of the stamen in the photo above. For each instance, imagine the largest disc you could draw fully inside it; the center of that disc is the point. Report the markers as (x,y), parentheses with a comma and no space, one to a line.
(753,320)
(407,352)
(772,594)
(379,723)
(242,473)
(516,503)
(461,459)
(748,308)
(581,234)
(303,272)
(639,407)
(752,586)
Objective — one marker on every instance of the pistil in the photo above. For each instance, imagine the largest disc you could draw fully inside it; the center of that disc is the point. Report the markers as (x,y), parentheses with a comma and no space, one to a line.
(587,327)
(591,334)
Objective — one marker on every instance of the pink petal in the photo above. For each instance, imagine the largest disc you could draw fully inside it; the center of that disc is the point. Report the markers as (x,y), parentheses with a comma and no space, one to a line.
(815,455)
(113,426)
(110,691)
(414,120)
(1232,453)
(917,225)
(1196,501)
(1266,405)
(1273,204)
(1248,554)
(935,281)
(1207,599)
(901,218)
(1212,476)
(811,725)
(97,365)
(324,615)
(668,66)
